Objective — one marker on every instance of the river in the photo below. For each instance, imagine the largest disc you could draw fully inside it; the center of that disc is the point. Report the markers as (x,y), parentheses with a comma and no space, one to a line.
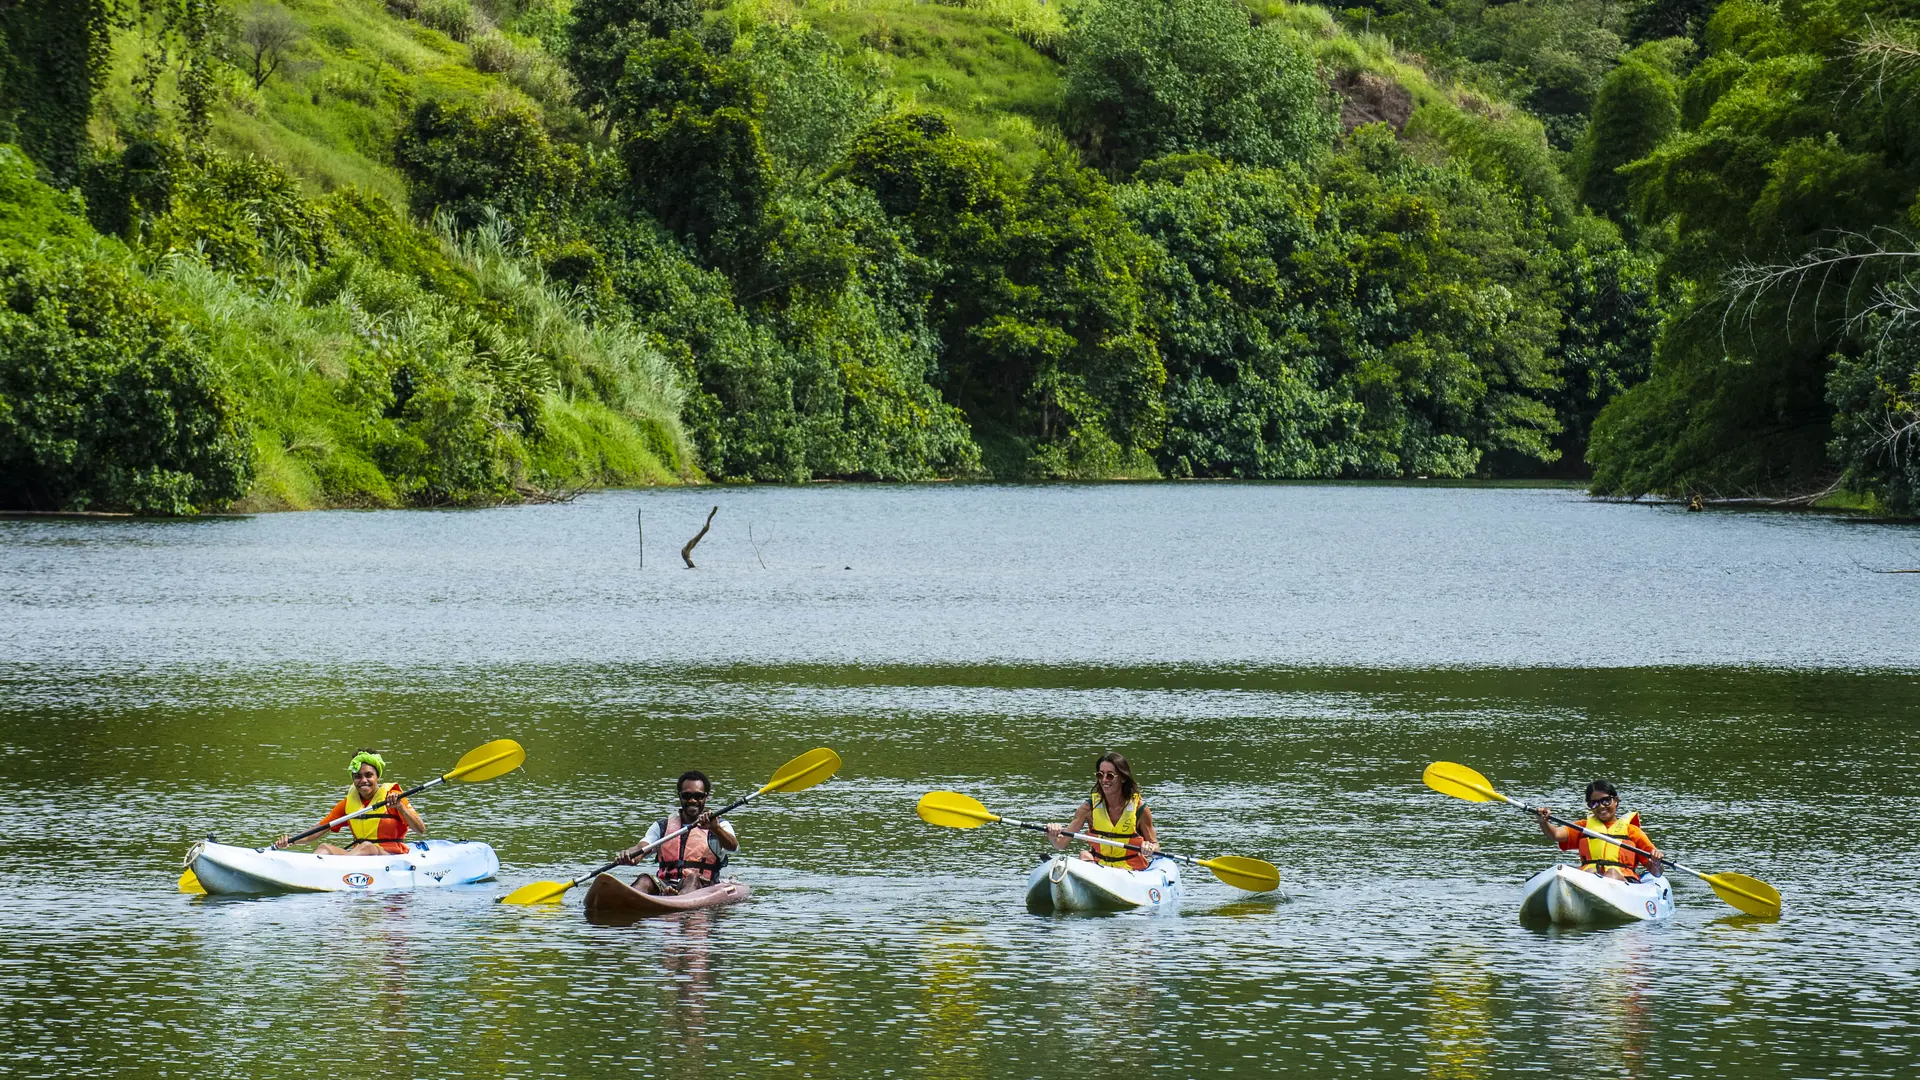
(1279,661)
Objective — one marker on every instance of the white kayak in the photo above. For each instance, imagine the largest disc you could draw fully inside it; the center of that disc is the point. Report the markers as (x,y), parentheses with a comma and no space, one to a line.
(227,870)
(1570,896)
(1066,883)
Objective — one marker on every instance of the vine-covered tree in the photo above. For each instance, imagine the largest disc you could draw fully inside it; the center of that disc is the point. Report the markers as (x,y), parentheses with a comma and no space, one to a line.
(53,58)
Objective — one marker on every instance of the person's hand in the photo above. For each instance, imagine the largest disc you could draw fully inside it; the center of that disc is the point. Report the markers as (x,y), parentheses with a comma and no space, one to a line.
(1053,831)
(631,856)
(280,844)
(393,800)
(704,821)
(1149,848)
(1543,814)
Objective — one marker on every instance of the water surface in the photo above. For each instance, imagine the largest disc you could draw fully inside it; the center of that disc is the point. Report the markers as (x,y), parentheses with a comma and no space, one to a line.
(1279,661)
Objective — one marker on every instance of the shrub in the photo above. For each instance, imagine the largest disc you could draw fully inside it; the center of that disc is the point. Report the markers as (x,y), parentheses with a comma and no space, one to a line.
(469,161)
(105,402)
(493,53)
(454,18)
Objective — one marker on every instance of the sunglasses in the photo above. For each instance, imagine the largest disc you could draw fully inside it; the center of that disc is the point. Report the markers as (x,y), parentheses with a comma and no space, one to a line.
(1595,804)
(1107,774)
(692,796)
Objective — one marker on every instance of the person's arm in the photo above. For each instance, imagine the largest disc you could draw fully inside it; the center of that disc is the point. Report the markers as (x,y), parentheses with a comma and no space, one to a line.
(1056,834)
(407,813)
(1638,838)
(720,831)
(1554,832)
(1149,840)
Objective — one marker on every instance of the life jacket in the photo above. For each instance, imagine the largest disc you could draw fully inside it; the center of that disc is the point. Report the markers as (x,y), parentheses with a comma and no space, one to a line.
(383,826)
(1126,830)
(1597,855)
(689,854)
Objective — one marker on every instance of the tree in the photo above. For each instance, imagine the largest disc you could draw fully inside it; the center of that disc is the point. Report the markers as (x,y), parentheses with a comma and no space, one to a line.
(694,148)
(105,403)
(1652,20)
(268,34)
(1637,108)
(1793,136)
(468,160)
(603,32)
(54,56)
(1154,77)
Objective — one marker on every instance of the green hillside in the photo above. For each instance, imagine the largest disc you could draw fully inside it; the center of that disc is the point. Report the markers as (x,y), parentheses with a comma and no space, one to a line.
(456,251)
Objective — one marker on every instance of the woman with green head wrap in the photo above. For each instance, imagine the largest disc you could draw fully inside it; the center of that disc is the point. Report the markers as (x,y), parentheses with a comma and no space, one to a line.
(377,833)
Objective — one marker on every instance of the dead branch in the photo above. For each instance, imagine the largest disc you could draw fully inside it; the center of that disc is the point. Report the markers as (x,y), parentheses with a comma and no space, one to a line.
(759,546)
(687,552)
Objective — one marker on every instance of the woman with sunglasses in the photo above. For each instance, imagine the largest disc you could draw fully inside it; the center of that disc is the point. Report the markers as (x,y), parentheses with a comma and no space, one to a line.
(1114,811)
(693,861)
(1603,816)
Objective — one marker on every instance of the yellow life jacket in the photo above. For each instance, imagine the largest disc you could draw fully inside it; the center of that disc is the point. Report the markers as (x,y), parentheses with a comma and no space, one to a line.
(1127,830)
(1597,855)
(381,826)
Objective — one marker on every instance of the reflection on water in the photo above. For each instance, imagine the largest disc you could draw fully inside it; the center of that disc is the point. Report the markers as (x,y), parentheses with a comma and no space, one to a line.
(952,1003)
(1459,1018)
(159,682)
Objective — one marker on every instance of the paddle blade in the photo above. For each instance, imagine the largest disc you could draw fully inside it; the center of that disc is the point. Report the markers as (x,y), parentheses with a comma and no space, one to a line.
(805,771)
(497,758)
(1751,895)
(539,892)
(1251,875)
(1460,782)
(190,883)
(953,810)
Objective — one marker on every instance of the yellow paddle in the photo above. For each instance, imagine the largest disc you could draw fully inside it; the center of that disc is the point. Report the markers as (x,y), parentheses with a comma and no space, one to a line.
(495,759)
(956,811)
(799,774)
(1751,895)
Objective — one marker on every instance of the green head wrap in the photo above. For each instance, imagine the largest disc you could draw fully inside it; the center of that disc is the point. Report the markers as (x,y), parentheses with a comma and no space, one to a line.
(367,757)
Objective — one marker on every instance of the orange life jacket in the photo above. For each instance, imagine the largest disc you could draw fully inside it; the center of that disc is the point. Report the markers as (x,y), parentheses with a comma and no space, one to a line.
(1597,855)
(384,827)
(1126,830)
(691,854)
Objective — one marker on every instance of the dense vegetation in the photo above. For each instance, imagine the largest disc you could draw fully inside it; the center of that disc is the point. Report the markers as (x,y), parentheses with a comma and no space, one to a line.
(380,252)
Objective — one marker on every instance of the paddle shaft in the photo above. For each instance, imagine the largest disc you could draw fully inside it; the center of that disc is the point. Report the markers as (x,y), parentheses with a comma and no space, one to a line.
(332,823)
(1187,860)
(1592,835)
(658,844)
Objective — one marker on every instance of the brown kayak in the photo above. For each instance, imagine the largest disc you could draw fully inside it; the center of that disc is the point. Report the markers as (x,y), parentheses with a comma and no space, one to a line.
(611,898)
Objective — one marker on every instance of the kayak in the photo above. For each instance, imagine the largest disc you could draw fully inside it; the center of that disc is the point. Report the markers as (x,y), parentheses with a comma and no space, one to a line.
(1570,896)
(227,870)
(612,898)
(1065,883)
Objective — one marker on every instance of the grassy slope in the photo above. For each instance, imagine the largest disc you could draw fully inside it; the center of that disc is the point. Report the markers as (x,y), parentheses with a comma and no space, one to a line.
(967,63)
(331,114)
(330,117)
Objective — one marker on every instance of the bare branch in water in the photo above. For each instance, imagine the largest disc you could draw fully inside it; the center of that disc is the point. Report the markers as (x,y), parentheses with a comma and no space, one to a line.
(687,552)
(759,546)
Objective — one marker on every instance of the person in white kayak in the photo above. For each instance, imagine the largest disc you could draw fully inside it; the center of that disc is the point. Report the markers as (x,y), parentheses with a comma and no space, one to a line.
(1114,811)
(1603,816)
(379,833)
(693,861)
